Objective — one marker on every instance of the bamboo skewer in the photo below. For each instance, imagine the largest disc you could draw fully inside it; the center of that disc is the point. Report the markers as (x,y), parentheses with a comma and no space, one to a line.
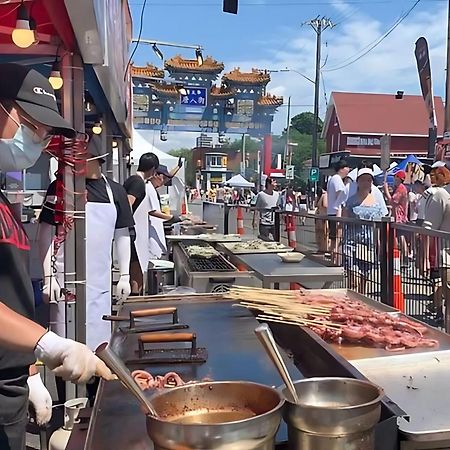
(283,307)
(301,322)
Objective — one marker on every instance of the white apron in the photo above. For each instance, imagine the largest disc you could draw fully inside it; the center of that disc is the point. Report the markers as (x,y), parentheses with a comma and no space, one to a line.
(100,226)
(141,226)
(156,239)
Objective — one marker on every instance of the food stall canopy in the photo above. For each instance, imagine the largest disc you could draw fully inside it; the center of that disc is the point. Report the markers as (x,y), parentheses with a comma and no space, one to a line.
(240,182)
(403,165)
(141,143)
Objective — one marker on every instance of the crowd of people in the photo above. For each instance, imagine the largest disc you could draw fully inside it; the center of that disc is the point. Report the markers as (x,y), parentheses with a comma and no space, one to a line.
(423,203)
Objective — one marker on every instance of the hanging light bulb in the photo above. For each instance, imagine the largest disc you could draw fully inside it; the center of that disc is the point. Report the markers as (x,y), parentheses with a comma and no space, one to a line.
(55,77)
(158,52)
(23,36)
(97,128)
(88,106)
(114,144)
(199,56)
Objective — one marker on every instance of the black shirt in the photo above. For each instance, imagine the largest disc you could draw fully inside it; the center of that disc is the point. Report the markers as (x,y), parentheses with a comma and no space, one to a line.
(96,193)
(16,290)
(135,186)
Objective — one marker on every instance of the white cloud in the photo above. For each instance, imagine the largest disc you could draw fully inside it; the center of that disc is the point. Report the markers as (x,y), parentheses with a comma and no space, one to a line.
(387,68)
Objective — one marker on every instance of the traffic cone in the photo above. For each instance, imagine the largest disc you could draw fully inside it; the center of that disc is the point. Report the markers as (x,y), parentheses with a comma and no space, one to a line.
(240,221)
(399,298)
(291,231)
(184,208)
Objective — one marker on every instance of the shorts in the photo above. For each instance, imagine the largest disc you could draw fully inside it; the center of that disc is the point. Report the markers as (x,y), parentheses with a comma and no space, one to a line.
(265,231)
(332,226)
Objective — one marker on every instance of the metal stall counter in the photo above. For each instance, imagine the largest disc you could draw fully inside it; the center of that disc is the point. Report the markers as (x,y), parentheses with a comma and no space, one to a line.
(233,353)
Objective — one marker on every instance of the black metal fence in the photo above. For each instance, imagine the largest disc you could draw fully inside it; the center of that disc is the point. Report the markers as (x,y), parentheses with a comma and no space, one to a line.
(405,266)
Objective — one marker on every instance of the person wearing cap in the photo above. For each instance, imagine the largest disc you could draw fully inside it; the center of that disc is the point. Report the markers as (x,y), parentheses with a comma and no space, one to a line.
(108,220)
(157,239)
(135,187)
(337,195)
(29,116)
(359,240)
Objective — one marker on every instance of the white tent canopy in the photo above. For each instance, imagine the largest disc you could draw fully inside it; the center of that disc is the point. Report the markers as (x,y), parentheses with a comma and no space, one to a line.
(240,182)
(141,145)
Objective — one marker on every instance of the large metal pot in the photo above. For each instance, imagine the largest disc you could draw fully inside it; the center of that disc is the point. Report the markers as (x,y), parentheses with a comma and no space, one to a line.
(225,415)
(333,414)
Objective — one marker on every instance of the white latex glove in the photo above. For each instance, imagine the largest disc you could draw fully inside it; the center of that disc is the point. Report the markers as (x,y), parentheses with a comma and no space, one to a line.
(123,289)
(70,359)
(51,291)
(40,398)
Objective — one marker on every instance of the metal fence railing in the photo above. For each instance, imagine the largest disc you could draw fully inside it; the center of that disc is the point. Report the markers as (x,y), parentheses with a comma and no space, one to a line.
(405,266)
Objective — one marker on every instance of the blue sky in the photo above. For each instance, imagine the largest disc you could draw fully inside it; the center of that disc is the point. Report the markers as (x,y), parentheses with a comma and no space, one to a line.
(268,34)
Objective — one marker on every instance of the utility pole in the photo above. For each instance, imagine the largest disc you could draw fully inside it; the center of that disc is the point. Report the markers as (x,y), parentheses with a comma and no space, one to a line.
(447,81)
(287,149)
(319,25)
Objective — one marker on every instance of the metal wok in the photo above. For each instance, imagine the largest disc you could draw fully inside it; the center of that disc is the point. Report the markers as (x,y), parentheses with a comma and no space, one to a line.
(225,415)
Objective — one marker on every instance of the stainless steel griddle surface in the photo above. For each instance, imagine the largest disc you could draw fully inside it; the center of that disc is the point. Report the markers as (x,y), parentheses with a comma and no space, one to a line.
(234,354)
(270,269)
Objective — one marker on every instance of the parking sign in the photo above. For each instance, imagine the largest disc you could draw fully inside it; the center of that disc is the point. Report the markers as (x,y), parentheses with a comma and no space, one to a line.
(314,174)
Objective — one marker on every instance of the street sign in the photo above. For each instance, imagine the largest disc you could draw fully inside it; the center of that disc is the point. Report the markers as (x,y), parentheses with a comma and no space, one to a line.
(289,172)
(314,174)
(195,97)
(385,155)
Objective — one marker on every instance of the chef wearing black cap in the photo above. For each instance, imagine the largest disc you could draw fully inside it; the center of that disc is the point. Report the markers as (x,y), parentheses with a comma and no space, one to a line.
(28,118)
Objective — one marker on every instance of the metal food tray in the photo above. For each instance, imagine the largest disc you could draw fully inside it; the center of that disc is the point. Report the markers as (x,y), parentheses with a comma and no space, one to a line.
(204,238)
(419,385)
(231,248)
(353,352)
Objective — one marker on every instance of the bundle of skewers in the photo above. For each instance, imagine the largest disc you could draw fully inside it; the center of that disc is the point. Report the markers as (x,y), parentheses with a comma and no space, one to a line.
(336,319)
(282,306)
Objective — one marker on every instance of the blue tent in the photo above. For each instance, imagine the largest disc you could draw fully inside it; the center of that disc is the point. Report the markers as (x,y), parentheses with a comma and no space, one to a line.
(402,165)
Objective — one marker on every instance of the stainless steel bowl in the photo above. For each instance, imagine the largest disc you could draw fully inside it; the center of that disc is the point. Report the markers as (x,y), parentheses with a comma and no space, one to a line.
(333,406)
(224,415)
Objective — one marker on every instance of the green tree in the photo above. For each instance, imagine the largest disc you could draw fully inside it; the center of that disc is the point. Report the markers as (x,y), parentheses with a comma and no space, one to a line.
(189,168)
(304,123)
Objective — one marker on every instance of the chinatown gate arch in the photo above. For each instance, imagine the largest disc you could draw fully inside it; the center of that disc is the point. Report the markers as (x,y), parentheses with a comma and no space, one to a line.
(191,99)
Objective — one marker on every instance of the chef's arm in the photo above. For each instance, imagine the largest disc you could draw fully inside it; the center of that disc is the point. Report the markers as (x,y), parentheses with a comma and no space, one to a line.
(51,289)
(17,332)
(45,242)
(68,359)
(160,215)
(122,241)
(131,199)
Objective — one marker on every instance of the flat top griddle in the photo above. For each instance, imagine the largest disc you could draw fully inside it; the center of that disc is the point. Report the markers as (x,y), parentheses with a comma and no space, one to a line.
(234,353)
(270,269)
(419,385)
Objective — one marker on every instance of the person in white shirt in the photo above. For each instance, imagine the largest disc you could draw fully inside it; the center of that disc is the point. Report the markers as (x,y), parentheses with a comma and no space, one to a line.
(157,238)
(266,201)
(337,194)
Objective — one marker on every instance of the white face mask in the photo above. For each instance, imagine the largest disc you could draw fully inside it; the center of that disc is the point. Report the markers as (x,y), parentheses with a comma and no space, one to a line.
(22,151)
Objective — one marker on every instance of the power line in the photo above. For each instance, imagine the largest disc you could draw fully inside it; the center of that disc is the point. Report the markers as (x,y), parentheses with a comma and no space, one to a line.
(377,42)
(141,26)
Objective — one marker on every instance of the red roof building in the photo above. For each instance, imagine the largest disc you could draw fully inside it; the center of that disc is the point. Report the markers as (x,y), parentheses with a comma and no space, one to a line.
(355,123)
